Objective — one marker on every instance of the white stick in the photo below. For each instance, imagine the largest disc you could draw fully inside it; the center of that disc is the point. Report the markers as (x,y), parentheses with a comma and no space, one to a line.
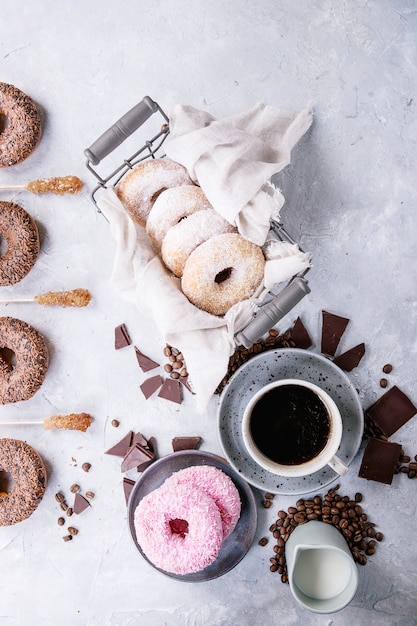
(19,423)
(2,300)
(12,187)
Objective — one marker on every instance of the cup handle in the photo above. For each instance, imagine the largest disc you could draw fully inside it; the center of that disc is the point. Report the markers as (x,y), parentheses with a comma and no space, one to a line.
(338,466)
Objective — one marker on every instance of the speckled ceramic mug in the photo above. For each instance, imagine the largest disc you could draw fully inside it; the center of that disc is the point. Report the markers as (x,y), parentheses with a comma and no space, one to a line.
(286,416)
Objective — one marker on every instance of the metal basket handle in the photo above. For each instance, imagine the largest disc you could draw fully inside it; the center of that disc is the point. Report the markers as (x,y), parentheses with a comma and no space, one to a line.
(121,130)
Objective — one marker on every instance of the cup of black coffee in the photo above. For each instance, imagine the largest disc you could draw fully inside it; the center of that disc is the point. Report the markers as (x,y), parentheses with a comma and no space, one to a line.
(293,428)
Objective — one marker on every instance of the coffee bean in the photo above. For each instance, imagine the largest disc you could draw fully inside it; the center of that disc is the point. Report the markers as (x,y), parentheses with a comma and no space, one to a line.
(168,368)
(383,383)
(269,496)
(115,423)
(69,511)
(267,504)
(74,488)
(63,506)
(61,521)
(59,497)
(72,531)
(387,369)
(86,467)
(89,495)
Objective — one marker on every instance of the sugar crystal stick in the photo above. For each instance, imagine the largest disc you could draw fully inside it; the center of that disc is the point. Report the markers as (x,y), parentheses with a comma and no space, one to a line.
(73,421)
(59,185)
(74,298)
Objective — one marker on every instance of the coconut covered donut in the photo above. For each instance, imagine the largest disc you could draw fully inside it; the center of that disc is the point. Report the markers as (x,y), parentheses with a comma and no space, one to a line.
(22,130)
(172,206)
(183,238)
(216,484)
(27,470)
(222,271)
(139,189)
(179,528)
(21,380)
(22,239)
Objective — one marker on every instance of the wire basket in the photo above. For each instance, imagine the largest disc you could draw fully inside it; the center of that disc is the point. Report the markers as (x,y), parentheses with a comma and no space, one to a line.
(279,301)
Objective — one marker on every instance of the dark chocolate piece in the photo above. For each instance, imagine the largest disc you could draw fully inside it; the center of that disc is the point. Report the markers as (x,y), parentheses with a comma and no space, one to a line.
(333,327)
(128,485)
(300,335)
(137,456)
(152,446)
(391,411)
(350,359)
(380,460)
(145,363)
(186,443)
(171,390)
(140,440)
(184,381)
(150,385)
(122,446)
(80,503)
(121,337)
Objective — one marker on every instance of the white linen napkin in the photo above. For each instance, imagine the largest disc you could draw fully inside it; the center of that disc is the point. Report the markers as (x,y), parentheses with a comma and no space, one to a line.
(258,144)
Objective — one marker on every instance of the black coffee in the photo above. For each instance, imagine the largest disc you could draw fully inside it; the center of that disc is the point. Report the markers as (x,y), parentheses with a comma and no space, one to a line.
(290,424)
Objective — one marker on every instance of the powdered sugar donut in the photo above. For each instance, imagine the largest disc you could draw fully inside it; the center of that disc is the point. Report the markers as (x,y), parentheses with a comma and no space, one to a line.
(139,189)
(172,206)
(179,528)
(222,271)
(216,484)
(183,238)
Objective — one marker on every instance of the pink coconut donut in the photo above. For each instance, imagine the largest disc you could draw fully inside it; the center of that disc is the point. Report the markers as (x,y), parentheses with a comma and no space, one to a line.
(139,189)
(216,484)
(179,528)
(170,208)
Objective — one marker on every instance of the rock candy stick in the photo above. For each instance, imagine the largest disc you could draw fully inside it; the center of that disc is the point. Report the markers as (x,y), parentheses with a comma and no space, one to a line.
(59,185)
(73,421)
(74,298)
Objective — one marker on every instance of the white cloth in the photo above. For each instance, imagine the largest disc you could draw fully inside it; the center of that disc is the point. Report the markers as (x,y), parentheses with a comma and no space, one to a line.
(258,144)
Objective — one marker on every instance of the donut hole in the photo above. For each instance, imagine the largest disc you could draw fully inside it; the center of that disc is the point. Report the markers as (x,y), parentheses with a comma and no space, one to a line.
(6,483)
(178,527)
(9,357)
(4,122)
(224,275)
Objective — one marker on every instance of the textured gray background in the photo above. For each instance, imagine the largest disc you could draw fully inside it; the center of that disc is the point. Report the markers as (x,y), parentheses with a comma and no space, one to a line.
(350,200)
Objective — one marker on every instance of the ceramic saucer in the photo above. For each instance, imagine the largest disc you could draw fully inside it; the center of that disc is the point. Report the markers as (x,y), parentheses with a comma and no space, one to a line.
(236,545)
(275,365)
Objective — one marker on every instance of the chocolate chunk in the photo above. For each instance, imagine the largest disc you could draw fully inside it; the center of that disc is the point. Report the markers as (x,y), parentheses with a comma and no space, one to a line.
(145,363)
(333,327)
(137,456)
(184,381)
(350,359)
(186,443)
(128,485)
(80,503)
(121,337)
(152,446)
(380,460)
(122,446)
(149,386)
(391,411)
(300,335)
(171,390)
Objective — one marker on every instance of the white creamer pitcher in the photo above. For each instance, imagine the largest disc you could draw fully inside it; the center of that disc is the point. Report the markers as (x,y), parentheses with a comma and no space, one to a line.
(322,574)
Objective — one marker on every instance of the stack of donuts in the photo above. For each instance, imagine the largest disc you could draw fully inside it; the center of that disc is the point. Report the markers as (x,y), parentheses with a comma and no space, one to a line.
(216,265)
(181,525)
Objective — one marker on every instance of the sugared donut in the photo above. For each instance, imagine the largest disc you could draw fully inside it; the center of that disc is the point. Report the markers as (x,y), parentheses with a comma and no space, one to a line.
(222,271)
(20,129)
(183,238)
(139,189)
(216,484)
(28,473)
(172,206)
(20,380)
(179,528)
(21,235)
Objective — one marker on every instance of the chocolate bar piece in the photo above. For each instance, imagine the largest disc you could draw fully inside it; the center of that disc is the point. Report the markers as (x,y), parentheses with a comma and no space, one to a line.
(80,503)
(122,446)
(145,363)
(184,381)
(391,411)
(171,390)
(380,460)
(300,335)
(350,359)
(137,456)
(186,443)
(128,485)
(333,327)
(121,337)
(150,385)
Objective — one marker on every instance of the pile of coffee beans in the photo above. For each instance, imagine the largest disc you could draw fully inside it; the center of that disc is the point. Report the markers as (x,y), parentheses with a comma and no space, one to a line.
(344,513)
(273,341)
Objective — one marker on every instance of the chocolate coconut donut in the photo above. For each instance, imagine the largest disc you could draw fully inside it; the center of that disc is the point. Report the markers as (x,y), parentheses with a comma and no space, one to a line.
(22,130)
(27,470)
(22,238)
(20,381)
